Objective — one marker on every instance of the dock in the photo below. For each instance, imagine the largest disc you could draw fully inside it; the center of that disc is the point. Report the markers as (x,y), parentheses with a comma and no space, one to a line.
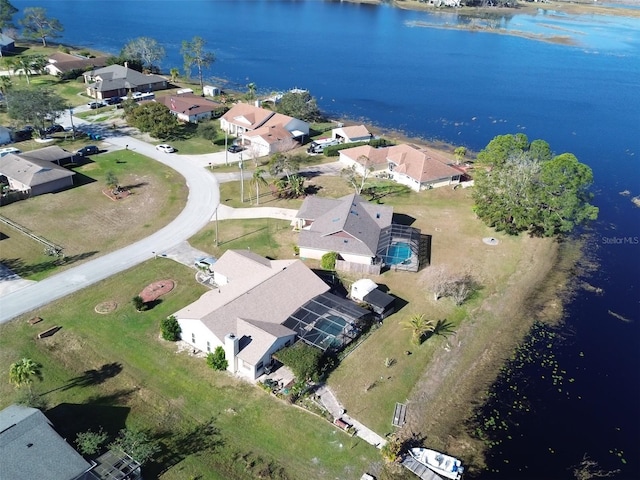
(419,469)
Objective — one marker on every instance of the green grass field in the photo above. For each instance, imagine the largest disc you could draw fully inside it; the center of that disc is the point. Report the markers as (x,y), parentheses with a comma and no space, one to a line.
(85,221)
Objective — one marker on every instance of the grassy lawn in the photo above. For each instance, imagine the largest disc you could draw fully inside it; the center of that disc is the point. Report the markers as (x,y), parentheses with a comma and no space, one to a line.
(113,369)
(99,224)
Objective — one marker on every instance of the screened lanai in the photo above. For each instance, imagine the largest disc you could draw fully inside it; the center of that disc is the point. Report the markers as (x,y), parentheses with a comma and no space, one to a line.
(328,321)
(399,247)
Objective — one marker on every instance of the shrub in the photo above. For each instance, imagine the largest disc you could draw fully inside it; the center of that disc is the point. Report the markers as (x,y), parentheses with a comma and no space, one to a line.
(217,360)
(328,261)
(139,303)
(89,442)
(302,359)
(207,130)
(334,150)
(137,444)
(170,329)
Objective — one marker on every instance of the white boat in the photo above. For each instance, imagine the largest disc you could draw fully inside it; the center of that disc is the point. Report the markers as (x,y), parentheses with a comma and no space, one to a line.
(440,463)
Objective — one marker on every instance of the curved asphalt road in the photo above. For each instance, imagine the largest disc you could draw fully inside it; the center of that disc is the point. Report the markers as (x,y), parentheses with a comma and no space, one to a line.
(204,196)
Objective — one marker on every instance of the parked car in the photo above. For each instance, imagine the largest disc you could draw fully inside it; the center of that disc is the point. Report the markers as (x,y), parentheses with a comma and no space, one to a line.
(25,133)
(95,105)
(88,150)
(163,147)
(114,100)
(235,148)
(55,128)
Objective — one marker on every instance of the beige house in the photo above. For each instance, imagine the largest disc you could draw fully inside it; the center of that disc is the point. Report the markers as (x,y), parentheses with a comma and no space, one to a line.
(191,108)
(354,133)
(262,130)
(419,169)
(246,313)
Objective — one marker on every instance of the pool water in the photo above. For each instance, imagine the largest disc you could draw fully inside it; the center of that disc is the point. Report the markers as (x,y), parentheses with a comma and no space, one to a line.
(398,252)
(333,326)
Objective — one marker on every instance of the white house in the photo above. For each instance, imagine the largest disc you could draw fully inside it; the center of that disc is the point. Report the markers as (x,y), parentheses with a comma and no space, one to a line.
(264,130)
(245,314)
(421,169)
(354,133)
(365,158)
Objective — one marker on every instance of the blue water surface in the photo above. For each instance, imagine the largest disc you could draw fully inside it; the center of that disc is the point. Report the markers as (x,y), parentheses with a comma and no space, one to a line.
(408,71)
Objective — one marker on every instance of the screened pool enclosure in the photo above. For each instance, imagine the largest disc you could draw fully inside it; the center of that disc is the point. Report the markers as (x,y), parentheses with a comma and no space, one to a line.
(328,321)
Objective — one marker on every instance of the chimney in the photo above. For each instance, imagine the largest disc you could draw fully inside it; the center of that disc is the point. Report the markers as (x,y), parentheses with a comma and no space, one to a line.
(126,64)
(231,348)
(257,103)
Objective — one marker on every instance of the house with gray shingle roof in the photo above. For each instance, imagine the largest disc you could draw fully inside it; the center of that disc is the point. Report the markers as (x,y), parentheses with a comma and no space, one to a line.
(254,311)
(348,225)
(33,175)
(31,449)
(119,81)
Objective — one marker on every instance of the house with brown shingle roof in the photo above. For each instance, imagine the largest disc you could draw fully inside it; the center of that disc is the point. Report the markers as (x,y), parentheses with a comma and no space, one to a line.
(119,81)
(421,169)
(191,108)
(365,158)
(263,130)
(60,63)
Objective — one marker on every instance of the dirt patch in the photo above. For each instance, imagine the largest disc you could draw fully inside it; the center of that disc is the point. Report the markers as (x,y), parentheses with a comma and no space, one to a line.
(116,195)
(155,290)
(106,307)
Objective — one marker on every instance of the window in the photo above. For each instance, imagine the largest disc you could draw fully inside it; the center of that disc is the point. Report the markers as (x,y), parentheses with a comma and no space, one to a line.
(209,347)
(259,366)
(193,338)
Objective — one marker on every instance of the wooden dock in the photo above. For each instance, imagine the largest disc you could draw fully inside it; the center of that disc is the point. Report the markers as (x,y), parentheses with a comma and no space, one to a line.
(399,415)
(419,469)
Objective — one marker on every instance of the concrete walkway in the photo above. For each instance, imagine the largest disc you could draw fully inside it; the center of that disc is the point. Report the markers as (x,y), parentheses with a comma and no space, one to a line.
(333,406)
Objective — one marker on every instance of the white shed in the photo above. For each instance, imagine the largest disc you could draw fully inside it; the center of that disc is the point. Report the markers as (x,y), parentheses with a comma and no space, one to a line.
(361,288)
(210,90)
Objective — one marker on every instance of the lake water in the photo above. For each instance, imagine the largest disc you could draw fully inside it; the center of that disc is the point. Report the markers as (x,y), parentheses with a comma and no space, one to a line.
(403,70)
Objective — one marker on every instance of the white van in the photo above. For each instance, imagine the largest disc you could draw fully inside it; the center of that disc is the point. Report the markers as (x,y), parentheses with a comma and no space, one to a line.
(318,146)
(8,150)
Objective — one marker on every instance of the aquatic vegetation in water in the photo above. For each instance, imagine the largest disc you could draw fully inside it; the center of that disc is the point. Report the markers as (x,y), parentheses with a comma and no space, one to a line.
(507,398)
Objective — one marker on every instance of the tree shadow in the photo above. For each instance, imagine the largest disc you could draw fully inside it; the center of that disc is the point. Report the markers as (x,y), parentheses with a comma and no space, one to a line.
(94,377)
(70,419)
(153,303)
(175,447)
(443,328)
(19,267)
(134,186)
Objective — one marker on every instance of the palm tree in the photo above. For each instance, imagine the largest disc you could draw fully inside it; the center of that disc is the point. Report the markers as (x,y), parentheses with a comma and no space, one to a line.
(258,179)
(21,373)
(252,90)
(419,326)
(175,73)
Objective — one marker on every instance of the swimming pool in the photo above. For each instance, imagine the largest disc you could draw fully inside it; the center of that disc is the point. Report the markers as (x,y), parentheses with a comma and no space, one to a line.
(397,253)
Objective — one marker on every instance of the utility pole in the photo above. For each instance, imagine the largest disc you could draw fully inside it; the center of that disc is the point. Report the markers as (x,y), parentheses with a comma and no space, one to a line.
(217,242)
(241,179)
(73,130)
(226,151)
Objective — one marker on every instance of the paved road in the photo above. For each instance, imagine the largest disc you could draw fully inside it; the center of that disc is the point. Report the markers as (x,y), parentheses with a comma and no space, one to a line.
(204,196)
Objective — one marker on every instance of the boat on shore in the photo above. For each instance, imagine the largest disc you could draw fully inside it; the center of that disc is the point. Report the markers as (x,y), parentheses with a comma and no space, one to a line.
(442,464)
